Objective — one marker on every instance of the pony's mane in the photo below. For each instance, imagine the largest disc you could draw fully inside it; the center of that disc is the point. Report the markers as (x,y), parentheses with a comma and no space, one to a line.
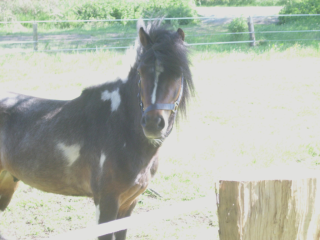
(168,47)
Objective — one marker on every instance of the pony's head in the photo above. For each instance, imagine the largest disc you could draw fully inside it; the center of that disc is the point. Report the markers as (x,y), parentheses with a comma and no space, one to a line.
(165,79)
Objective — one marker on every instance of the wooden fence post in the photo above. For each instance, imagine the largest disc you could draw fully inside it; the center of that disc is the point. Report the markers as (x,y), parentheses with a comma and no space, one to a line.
(35,36)
(277,209)
(251,31)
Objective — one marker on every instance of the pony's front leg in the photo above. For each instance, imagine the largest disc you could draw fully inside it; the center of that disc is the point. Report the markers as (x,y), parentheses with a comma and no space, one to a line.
(125,211)
(106,211)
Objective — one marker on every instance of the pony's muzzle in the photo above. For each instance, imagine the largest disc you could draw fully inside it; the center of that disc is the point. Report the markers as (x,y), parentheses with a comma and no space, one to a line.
(152,125)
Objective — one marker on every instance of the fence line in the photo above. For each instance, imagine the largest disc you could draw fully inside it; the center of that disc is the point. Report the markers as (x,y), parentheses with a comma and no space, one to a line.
(251,32)
(67,50)
(64,40)
(138,220)
(290,40)
(127,38)
(251,41)
(153,19)
(213,34)
(188,44)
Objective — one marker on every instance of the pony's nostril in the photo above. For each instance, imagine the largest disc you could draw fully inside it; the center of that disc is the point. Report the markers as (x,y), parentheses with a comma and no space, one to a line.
(143,121)
(160,123)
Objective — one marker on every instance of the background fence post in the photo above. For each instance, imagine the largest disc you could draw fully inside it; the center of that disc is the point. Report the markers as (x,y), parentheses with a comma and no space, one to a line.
(251,31)
(35,36)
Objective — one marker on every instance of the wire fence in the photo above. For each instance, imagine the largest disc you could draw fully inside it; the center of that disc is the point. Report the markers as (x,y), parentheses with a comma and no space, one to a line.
(21,44)
(127,38)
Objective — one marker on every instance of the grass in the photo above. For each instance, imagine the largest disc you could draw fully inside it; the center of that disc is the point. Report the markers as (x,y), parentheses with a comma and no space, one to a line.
(253,110)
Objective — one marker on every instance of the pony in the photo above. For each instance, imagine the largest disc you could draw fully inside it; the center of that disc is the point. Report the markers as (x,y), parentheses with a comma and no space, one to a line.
(103,144)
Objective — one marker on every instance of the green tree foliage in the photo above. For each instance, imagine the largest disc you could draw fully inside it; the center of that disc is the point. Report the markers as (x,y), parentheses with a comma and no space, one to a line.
(303,7)
(243,2)
(238,25)
(29,10)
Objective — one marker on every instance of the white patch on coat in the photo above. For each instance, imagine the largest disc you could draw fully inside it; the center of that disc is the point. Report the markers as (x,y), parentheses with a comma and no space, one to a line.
(102,159)
(137,181)
(159,70)
(114,97)
(125,144)
(71,153)
(97,213)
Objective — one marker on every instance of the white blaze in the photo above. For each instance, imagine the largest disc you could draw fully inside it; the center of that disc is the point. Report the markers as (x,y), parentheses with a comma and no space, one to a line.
(114,97)
(159,69)
(102,160)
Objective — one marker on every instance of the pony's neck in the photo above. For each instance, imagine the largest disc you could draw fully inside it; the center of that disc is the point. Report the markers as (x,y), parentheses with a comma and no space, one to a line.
(140,149)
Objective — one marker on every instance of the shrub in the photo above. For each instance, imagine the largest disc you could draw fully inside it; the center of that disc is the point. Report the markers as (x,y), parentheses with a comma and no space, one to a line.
(238,25)
(171,9)
(304,7)
(242,2)
(97,9)
(6,13)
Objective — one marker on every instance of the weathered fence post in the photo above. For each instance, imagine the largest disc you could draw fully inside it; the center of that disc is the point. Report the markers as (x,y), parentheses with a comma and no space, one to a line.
(251,31)
(35,36)
(277,209)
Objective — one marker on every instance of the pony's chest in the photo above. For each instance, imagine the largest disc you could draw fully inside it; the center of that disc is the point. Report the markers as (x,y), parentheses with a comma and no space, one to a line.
(137,187)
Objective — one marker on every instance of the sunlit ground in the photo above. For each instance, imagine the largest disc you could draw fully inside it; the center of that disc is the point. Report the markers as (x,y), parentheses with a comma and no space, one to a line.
(252,112)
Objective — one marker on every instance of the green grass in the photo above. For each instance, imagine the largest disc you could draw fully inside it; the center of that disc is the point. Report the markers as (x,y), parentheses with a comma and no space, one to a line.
(254,110)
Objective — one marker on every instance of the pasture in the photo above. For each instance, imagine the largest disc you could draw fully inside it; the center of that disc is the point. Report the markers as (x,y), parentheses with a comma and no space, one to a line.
(253,111)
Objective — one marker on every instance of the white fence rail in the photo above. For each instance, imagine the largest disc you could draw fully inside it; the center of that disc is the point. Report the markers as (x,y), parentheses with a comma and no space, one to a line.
(138,220)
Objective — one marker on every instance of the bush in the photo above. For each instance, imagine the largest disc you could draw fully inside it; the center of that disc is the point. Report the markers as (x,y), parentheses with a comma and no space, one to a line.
(90,10)
(171,9)
(238,25)
(305,7)
(242,2)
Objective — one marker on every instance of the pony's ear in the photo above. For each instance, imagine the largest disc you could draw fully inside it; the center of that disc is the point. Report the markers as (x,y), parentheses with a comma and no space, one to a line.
(181,33)
(144,38)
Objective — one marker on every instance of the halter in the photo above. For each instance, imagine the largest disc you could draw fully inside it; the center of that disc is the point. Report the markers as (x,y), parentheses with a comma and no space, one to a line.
(161,106)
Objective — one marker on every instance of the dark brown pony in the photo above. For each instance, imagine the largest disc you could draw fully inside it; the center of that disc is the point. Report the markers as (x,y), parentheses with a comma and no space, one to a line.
(103,144)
